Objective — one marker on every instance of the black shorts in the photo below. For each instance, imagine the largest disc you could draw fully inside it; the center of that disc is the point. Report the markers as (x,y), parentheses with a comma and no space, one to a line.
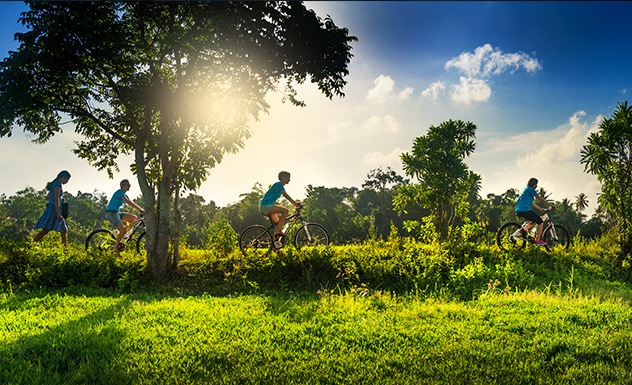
(530,216)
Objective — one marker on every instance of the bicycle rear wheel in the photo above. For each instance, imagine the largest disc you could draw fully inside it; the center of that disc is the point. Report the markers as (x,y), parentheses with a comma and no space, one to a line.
(557,238)
(505,237)
(311,234)
(255,241)
(100,239)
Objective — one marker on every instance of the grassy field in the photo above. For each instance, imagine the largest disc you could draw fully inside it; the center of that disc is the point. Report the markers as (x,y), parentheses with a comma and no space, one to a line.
(545,319)
(352,338)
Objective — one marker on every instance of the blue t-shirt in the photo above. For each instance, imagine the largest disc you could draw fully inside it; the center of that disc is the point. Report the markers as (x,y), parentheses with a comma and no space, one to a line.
(270,198)
(117,201)
(525,201)
(51,194)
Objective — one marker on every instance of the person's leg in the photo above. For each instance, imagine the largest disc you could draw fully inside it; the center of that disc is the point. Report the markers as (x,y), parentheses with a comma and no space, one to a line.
(129,218)
(64,238)
(538,234)
(282,211)
(40,235)
(121,230)
(115,221)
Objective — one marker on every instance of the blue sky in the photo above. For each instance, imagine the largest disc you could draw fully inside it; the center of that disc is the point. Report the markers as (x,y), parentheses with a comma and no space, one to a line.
(534,77)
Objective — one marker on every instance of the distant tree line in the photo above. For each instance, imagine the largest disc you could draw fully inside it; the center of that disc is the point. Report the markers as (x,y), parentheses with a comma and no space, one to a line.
(350,214)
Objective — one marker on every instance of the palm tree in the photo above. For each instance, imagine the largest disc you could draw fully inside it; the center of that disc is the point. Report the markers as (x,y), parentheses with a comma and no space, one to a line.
(544,194)
(581,202)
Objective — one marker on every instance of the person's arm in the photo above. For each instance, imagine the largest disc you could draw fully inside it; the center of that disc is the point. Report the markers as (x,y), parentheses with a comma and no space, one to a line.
(292,201)
(547,205)
(134,205)
(57,196)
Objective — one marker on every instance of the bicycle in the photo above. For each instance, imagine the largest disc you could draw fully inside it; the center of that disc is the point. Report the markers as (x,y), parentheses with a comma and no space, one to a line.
(557,238)
(104,239)
(257,240)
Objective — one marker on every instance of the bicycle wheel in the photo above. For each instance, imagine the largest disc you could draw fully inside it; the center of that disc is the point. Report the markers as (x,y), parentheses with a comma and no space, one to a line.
(141,248)
(100,239)
(255,241)
(311,234)
(556,238)
(505,239)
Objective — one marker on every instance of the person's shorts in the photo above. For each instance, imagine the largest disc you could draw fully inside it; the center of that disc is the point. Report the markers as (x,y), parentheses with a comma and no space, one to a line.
(265,209)
(530,216)
(115,217)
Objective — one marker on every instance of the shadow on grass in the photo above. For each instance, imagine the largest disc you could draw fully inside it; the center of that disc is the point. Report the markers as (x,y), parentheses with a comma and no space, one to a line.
(80,351)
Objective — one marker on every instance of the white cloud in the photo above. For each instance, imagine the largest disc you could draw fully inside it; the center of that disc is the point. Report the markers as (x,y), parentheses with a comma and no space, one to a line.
(383,88)
(566,147)
(406,93)
(486,61)
(386,123)
(470,90)
(434,90)
(336,130)
(379,159)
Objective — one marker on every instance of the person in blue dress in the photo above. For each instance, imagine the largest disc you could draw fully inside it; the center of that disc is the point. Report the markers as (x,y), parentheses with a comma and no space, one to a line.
(277,214)
(117,217)
(524,207)
(52,218)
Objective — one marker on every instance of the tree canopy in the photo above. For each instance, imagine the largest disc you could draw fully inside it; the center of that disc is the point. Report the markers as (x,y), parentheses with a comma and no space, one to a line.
(437,162)
(173,83)
(608,155)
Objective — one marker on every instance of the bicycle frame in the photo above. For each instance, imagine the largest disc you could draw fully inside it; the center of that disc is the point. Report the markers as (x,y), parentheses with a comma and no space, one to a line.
(545,218)
(297,217)
(140,224)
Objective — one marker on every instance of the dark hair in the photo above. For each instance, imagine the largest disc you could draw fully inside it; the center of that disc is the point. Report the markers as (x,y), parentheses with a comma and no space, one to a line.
(124,182)
(532,182)
(283,173)
(62,174)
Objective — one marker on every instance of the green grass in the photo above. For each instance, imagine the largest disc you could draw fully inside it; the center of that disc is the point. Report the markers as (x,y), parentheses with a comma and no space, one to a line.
(351,338)
(378,313)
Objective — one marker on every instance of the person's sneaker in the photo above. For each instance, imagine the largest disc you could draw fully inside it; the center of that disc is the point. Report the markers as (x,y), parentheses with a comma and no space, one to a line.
(278,244)
(540,242)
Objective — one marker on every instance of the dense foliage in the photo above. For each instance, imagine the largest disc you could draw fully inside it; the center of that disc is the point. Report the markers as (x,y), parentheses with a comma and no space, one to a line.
(174,83)
(608,155)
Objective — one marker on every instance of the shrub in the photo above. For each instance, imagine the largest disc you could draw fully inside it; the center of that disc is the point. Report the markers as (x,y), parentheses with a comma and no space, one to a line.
(222,238)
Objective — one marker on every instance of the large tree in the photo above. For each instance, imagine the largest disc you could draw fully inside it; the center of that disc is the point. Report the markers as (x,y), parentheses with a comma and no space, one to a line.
(608,155)
(173,83)
(437,162)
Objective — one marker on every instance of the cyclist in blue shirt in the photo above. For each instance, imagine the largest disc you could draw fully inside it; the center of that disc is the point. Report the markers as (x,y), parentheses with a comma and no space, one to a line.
(524,207)
(267,205)
(117,217)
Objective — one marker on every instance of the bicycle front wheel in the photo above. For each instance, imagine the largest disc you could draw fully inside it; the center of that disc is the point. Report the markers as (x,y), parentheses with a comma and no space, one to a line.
(556,237)
(505,237)
(100,239)
(255,241)
(311,234)
(141,247)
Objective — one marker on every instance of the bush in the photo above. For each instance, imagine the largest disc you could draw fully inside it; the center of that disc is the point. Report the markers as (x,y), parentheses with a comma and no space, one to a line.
(222,238)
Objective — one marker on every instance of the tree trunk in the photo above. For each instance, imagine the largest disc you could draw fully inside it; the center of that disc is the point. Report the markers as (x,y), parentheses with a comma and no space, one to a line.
(177,220)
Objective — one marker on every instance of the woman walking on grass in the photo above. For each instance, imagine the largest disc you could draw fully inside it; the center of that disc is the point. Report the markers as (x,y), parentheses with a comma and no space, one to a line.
(52,218)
